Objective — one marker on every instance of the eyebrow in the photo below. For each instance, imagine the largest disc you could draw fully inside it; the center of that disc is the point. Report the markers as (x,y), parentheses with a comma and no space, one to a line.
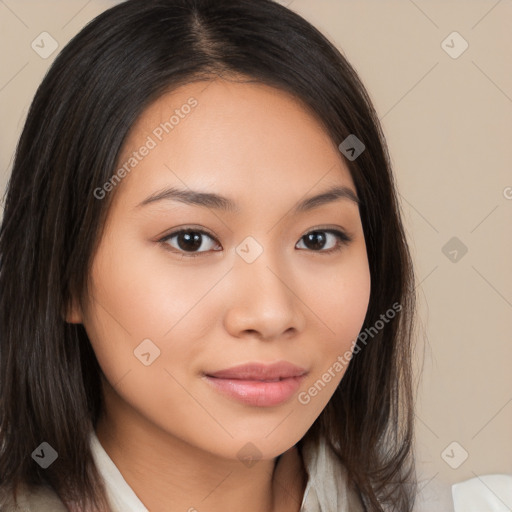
(218,202)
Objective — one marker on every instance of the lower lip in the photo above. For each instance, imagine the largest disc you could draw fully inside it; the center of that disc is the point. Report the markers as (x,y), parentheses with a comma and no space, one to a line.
(257,393)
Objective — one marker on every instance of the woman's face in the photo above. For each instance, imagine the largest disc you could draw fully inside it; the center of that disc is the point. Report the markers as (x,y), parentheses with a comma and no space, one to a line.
(258,289)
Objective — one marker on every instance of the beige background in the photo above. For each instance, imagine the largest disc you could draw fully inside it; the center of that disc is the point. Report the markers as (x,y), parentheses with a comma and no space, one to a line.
(448,123)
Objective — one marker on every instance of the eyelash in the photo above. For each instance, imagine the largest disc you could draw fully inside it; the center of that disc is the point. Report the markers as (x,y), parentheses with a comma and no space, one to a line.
(343,240)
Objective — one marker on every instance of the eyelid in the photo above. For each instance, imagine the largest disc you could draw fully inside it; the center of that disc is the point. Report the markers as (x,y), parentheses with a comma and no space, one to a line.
(187,227)
(332,229)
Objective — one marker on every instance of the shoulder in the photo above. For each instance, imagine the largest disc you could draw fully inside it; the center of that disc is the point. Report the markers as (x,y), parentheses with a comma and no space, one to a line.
(492,493)
(32,499)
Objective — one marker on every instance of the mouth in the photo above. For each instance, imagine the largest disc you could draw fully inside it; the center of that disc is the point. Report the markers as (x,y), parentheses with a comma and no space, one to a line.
(258,384)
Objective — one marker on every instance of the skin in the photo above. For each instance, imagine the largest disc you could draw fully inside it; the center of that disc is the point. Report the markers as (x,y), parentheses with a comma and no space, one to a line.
(173,437)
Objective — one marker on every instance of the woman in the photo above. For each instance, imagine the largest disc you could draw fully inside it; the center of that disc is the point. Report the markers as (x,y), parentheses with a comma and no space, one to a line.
(206,293)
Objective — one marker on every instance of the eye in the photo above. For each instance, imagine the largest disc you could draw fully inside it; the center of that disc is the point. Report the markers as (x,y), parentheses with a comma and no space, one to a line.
(317,239)
(189,240)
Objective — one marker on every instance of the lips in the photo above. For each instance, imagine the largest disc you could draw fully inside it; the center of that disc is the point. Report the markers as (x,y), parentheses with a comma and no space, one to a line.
(256,384)
(260,372)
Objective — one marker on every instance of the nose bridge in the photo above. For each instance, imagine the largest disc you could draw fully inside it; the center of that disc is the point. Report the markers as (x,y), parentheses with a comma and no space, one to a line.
(260,264)
(263,300)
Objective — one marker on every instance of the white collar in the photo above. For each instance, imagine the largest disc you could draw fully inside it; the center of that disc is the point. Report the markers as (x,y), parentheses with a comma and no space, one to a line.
(323,493)
(121,496)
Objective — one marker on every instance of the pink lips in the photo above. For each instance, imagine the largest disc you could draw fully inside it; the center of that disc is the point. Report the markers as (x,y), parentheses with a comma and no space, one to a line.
(262,385)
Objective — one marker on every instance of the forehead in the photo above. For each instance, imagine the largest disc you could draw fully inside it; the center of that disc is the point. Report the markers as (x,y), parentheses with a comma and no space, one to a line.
(243,139)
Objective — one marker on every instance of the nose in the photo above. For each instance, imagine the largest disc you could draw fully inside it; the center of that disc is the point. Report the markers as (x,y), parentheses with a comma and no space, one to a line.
(264,299)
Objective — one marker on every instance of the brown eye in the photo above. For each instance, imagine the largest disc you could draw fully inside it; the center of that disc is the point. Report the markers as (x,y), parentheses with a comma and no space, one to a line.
(318,239)
(190,241)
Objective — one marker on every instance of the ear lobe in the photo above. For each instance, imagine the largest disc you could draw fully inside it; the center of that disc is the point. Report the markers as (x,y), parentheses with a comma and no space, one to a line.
(73,314)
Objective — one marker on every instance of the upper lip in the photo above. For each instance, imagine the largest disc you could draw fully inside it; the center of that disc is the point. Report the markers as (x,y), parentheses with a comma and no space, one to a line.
(260,371)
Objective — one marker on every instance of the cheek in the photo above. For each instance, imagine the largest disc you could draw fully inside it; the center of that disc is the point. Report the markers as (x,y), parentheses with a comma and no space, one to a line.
(140,295)
(340,302)
(144,291)
(141,305)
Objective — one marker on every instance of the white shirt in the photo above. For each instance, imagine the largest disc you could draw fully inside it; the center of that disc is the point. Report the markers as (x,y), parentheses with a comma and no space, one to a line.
(486,493)
(323,491)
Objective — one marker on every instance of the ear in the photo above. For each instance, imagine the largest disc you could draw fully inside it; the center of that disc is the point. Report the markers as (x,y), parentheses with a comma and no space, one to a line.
(73,314)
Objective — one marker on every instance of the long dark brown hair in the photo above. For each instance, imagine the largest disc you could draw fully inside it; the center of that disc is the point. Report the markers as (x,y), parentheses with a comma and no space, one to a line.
(93,93)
